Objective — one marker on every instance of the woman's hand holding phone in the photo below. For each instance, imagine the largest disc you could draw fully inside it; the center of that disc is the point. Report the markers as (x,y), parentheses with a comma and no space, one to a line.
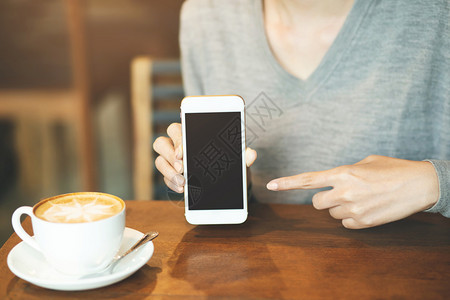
(170,159)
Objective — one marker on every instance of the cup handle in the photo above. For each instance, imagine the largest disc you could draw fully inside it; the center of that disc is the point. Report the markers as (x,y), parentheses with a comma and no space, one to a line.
(17,225)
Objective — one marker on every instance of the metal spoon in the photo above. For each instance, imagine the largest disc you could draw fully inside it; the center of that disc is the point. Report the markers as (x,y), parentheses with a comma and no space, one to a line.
(146,238)
(142,241)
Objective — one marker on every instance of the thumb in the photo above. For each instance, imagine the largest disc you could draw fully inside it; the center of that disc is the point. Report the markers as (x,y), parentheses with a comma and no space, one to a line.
(250,156)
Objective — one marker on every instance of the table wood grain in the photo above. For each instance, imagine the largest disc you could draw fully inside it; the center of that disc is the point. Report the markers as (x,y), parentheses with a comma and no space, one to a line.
(281,252)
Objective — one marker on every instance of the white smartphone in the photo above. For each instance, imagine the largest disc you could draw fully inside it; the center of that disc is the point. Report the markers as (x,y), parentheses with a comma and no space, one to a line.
(215,190)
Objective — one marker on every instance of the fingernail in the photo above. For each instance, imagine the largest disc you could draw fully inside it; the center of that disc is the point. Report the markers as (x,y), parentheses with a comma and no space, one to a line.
(178,180)
(272,186)
(178,166)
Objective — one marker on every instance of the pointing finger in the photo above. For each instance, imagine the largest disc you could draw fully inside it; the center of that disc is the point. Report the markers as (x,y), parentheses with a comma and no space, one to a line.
(310,180)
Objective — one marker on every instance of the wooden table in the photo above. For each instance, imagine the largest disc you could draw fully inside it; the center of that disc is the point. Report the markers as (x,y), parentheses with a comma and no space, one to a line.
(282,251)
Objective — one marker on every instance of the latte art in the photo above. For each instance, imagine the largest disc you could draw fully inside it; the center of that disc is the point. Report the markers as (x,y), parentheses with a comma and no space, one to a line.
(78,211)
(78,208)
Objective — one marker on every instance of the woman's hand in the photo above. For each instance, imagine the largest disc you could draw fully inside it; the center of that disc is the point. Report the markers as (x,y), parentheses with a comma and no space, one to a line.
(374,191)
(170,159)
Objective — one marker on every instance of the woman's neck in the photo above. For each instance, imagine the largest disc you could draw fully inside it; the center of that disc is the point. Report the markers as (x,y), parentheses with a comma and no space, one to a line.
(291,12)
(300,32)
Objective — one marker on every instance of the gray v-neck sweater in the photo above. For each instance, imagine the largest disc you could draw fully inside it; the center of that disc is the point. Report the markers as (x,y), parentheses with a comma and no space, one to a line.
(382,88)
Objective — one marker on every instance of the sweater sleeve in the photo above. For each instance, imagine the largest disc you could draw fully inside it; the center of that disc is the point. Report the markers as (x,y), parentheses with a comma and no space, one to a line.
(442,206)
(440,93)
(190,37)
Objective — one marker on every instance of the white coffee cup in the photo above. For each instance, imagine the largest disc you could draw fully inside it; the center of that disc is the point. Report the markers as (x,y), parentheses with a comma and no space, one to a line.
(78,233)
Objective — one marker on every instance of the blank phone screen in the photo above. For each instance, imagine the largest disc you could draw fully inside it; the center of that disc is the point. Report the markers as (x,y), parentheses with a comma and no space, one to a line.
(214,160)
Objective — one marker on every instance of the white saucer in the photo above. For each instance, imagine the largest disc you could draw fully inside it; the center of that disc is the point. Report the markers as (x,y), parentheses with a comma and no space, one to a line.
(30,265)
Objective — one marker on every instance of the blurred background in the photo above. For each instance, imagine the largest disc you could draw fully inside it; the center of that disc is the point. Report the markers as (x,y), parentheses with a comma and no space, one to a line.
(67,118)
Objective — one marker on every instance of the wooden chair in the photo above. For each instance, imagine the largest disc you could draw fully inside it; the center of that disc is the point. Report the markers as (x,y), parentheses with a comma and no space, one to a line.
(47,107)
(156,93)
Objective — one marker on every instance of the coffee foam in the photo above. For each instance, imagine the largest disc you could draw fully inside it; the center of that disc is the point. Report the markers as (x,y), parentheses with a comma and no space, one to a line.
(78,208)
